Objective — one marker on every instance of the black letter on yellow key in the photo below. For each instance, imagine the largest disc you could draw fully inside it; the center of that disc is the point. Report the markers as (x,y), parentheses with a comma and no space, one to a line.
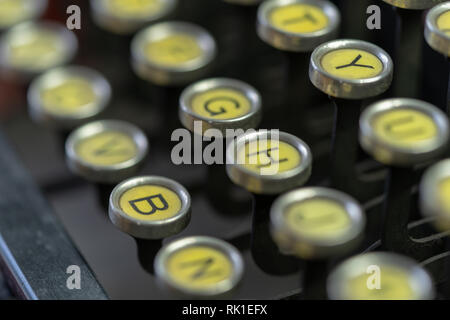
(149,200)
(269,156)
(221,109)
(394,126)
(307,16)
(203,266)
(355,64)
(110,148)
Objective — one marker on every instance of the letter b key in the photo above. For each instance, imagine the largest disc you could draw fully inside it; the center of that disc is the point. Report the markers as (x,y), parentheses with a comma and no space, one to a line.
(150,204)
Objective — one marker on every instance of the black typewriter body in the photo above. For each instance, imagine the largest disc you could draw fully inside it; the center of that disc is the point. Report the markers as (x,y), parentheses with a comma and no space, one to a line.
(51,219)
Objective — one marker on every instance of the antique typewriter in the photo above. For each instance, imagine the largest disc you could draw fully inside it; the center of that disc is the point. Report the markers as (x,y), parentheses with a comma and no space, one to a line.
(225,149)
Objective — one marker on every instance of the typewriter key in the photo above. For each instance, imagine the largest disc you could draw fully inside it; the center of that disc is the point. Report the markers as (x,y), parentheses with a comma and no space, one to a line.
(401,133)
(434,199)
(297,27)
(106,152)
(172,53)
(350,71)
(437,68)
(13,12)
(268,163)
(149,208)
(127,16)
(225,105)
(380,276)
(199,267)
(413,4)
(221,104)
(435,194)
(30,48)
(66,97)
(437,28)
(316,224)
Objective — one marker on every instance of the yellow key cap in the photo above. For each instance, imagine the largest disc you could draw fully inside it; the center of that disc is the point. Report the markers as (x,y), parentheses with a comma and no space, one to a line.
(106,151)
(413,4)
(66,97)
(268,162)
(299,18)
(15,11)
(128,16)
(297,25)
(435,194)
(394,285)
(443,22)
(39,51)
(69,97)
(316,222)
(201,267)
(318,218)
(379,276)
(106,148)
(220,103)
(172,53)
(149,202)
(270,156)
(444,195)
(134,8)
(437,28)
(34,47)
(403,131)
(352,64)
(404,128)
(174,50)
(244,2)
(351,69)
(150,207)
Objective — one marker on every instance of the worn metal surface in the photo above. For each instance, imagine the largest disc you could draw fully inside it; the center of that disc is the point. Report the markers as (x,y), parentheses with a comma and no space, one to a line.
(34,248)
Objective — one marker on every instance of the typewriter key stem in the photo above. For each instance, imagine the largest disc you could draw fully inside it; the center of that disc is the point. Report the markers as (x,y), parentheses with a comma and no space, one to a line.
(264,250)
(435,79)
(345,144)
(353,18)
(407,52)
(314,280)
(447,106)
(344,155)
(225,196)
(301,94)
(396,215)
(103,192)
(147,250)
